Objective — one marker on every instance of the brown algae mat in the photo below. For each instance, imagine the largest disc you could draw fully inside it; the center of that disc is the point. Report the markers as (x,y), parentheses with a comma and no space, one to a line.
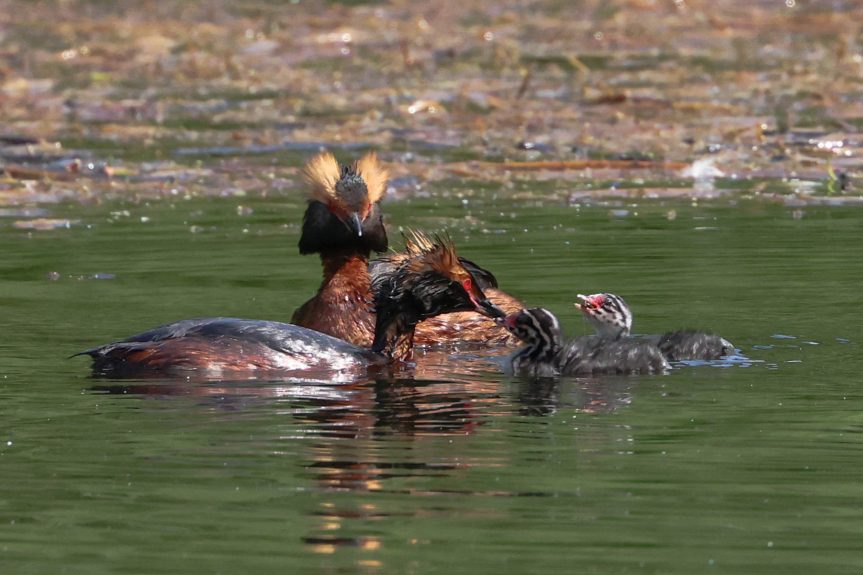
(548,100)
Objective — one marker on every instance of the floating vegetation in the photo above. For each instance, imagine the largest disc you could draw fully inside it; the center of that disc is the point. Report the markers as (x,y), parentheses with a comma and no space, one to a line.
(725,95)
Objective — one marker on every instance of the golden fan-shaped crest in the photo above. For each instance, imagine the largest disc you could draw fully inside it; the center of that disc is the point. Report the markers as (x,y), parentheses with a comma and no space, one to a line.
(374,175)
(321,174)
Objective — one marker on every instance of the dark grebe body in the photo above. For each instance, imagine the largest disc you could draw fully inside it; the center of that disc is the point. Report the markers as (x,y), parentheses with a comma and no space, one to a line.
(217,347)
(428,282)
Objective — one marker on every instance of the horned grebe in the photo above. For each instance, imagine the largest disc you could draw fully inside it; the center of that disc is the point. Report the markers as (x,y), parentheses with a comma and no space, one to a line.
(430,281)
(344,224)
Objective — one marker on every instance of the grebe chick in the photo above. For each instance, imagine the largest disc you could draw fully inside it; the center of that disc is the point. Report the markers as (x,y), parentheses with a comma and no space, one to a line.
(611,317)
(429,282)
(545,352)
(343,223)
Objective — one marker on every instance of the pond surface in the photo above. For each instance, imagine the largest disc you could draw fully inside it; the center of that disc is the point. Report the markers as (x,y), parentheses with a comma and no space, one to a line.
(749,466)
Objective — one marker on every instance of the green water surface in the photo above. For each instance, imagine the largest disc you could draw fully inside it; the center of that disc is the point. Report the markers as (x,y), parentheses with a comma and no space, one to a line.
(749,466)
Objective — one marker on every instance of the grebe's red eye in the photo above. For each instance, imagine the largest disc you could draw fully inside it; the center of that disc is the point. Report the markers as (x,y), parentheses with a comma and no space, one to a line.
(467,285)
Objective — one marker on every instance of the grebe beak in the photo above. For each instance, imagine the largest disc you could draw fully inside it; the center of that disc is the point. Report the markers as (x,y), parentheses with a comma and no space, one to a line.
(488,309)
(586,304)
(355,224)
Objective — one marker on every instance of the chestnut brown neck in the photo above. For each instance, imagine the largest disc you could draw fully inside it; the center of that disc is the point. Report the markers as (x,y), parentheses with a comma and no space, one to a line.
(342,306)
(346,287)
(348,264)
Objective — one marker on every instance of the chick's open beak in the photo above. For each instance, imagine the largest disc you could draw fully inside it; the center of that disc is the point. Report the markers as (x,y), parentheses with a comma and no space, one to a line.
(586,304)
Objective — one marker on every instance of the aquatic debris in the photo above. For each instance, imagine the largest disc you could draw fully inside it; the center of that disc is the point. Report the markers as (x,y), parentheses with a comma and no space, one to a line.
(581,196)
(430,106)
(702,169)
(803,199)
(23,212)
(166,172)
(44,224)
(61,170)
(532,146)
(260,47)
(24,87)
(564,165)
(97,276)
(236,82)
(17,140)
(272,149)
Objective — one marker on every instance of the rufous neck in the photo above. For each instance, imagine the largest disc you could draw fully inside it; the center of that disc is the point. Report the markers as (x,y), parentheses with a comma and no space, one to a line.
(345,262)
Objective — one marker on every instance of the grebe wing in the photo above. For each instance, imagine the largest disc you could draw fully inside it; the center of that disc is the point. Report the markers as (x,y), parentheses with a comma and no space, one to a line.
(281,337)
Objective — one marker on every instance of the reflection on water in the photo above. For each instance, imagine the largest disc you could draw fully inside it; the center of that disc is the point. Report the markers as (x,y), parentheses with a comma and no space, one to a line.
(347,429)
(370,438)
(749,464)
